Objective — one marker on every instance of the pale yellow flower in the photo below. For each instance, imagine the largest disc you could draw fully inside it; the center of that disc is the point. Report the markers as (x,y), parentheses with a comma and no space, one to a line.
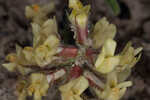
(73,89)
(50,27)
(106,61)
(128,56)
(14,66)
(41,33)
(113,90)
(116,91)
(10,66)
(38,85)
(21,89)
(75,4)
(44,53)
(21,57)
(45,43)
(102,31)
(38,13)
(80,17)
(29,55)
(82,20)
(16,62)
(12,58)
(79,14)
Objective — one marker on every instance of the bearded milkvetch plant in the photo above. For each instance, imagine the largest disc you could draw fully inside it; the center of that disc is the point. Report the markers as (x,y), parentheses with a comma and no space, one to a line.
(91,65)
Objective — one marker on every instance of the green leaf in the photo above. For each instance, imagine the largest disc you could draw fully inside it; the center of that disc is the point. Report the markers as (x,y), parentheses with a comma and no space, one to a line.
(114,6)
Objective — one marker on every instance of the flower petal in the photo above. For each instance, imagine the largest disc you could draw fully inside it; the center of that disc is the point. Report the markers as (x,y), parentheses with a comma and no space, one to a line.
(108,65)
(102,31)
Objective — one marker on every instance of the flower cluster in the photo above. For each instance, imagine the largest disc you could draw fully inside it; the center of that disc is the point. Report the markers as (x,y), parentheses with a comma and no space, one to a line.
(91,64)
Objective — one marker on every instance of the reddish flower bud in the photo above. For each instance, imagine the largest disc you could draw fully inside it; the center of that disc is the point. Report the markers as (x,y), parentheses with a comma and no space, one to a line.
(69,52)
(75,72)
(89,54)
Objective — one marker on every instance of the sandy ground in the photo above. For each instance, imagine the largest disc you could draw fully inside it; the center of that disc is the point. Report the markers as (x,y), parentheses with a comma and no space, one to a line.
(133,24)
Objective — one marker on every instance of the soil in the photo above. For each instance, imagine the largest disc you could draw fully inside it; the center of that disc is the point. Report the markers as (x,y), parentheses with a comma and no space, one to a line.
(133,24)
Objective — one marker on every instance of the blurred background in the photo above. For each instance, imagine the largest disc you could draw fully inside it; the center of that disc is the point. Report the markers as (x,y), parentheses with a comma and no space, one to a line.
(133,24)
